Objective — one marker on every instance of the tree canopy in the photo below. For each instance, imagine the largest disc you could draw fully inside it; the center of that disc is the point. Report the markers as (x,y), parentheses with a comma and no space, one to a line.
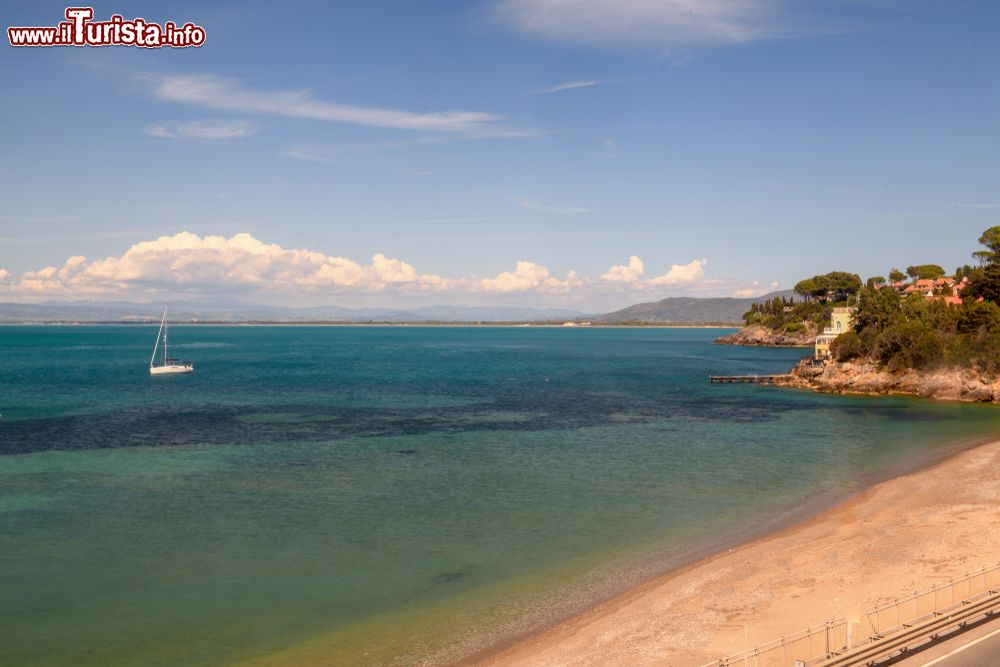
(836,285)
(990,239)
(922,271)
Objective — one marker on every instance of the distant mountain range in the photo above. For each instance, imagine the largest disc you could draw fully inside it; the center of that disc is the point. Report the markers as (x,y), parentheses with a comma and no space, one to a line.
(673,310)
(690,310)
(236,311)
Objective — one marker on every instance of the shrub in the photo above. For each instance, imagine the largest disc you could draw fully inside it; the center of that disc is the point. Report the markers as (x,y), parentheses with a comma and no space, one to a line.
(847,346)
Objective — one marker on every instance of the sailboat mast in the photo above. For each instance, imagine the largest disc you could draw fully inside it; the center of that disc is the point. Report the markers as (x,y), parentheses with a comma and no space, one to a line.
(159,332)
(166,328)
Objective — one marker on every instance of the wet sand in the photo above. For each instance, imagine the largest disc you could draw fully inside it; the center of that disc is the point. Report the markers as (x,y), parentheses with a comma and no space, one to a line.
(905,533)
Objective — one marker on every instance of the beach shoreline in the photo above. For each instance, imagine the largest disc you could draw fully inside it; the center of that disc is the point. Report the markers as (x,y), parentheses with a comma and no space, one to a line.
(690,616)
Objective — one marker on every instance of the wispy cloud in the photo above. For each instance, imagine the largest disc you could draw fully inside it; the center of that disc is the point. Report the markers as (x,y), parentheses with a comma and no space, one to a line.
(214,92)
(202,130)
(532,205)
(569,85)
(660,23)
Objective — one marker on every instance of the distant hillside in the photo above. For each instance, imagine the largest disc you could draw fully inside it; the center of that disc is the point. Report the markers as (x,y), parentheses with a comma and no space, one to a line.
(237,311)
(690,310)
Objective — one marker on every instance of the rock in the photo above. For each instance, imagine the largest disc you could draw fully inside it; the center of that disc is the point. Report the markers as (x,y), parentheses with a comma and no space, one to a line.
(954,384)
(758,336)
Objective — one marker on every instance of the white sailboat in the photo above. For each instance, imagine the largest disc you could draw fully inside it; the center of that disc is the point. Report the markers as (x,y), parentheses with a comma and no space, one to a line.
(169,366)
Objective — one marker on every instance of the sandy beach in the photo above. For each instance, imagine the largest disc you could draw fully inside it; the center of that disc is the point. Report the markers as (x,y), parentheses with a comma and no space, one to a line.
(905,533)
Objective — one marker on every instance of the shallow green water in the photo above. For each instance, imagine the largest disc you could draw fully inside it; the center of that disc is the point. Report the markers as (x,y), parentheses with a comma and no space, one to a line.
(380,495)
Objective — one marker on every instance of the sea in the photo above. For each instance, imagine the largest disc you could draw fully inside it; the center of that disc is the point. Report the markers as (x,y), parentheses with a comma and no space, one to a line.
(395,495)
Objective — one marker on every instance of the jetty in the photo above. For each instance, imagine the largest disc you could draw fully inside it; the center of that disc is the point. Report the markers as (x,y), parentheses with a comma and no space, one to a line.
(748,379)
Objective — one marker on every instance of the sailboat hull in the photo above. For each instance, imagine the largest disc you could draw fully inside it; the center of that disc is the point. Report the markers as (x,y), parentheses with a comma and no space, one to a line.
(173,369)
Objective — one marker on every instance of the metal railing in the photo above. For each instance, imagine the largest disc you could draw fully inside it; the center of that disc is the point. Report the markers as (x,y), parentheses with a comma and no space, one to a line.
(889,616)
(821,642)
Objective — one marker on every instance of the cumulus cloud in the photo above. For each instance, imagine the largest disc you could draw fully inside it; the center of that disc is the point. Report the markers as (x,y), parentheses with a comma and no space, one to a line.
(215,262)
(625,273)
(188,263)
(681,274)
(660,23)
(202,130)
(528,276)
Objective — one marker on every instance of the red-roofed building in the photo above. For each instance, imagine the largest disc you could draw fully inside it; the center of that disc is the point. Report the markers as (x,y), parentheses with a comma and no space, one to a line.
(947,289)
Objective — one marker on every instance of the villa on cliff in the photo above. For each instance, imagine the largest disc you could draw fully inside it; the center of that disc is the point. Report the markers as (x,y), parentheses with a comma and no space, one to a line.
(841,320)
(947,289)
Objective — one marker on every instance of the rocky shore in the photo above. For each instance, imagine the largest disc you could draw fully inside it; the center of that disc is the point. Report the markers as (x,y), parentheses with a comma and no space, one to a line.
(758,336)
(866,378)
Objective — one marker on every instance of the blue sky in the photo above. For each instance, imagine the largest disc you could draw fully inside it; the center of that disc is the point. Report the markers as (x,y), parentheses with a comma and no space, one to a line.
(498,151)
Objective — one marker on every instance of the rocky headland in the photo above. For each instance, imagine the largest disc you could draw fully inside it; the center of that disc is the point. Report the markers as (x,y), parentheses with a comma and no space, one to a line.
(867,378)
(760,336)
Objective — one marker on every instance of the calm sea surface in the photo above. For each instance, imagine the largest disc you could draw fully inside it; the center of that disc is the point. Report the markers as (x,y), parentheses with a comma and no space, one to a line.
(387,495)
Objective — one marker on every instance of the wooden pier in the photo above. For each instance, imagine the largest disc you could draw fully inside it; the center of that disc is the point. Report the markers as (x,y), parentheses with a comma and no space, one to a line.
(747,379)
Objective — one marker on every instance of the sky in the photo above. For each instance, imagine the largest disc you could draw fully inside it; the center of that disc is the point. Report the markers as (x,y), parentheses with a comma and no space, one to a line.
(584,154)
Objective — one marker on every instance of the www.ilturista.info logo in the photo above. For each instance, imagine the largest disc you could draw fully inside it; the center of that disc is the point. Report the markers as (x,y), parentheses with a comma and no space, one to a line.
(80,30)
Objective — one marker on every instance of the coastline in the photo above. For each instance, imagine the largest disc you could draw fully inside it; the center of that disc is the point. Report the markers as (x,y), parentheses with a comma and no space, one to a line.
(759,336)
(794,575)
(868,379)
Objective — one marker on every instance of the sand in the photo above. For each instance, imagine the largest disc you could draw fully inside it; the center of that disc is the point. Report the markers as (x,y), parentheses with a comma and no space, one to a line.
(906,533)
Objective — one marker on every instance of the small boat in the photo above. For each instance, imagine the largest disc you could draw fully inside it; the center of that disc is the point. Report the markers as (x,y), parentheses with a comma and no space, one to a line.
(169,366)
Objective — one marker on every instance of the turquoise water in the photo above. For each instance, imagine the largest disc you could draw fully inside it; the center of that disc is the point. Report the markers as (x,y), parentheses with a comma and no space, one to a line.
(385,495)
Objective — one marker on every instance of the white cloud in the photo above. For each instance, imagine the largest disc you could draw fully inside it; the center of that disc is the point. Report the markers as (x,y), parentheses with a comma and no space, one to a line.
(532,205)
(186,263)
(186,260)
(661,23)
(569,85)
(756,288)
(213,92)
(625,273)
(528,276)
(681,274)
(208,130)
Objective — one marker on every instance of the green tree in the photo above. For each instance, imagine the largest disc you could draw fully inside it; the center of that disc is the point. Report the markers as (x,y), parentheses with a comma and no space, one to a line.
(979,317)
(809,288)
(836,285)
(875,281)
(922,271)
(896,275)
(990,239)
(966,271)
(877,309)
(985,285)
(847,346)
